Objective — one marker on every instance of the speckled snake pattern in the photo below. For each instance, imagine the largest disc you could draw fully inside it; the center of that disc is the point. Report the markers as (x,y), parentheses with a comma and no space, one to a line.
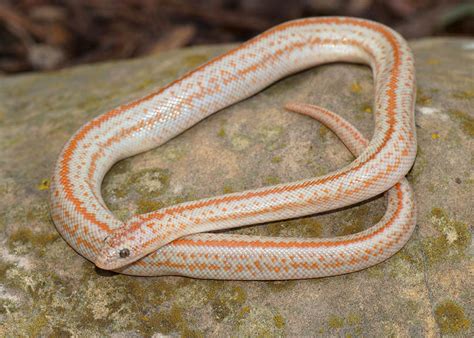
(170,241)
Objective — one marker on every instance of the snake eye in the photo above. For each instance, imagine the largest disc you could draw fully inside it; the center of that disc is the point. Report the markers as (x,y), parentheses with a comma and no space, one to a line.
(124,253)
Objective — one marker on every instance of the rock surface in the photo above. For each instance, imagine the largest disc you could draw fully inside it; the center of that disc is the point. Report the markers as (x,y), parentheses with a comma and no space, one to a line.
(424,290)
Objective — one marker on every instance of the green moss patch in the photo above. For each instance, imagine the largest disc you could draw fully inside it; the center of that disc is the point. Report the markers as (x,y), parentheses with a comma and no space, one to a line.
(351,322)
(271,180)
(335,322)
(451,244)
(27,236)
(450,318)
(306,227)
(422,98)
(226,301)
(145,206)
(467,122)
(276,159)
(192,61)
(4,266)
(464,94)
(356,219)
(418,167)
(148,183)
(167,322)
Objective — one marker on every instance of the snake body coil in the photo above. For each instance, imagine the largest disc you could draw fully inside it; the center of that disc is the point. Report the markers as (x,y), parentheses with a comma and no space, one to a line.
(167,241)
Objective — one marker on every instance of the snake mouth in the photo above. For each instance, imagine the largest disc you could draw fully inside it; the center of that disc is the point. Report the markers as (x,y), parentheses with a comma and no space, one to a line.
(103,265)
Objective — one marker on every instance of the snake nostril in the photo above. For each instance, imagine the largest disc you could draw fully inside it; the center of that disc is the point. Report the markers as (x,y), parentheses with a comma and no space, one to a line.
(124,253)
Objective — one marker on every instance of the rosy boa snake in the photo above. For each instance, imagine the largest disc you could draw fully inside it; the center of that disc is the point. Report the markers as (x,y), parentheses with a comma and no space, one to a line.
(170,241)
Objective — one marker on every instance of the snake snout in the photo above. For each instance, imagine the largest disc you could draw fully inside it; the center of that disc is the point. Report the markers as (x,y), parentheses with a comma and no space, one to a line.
(110,258)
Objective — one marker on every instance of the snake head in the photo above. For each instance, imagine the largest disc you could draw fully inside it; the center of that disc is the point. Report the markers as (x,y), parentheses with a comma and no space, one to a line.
(114,255)
(137,238)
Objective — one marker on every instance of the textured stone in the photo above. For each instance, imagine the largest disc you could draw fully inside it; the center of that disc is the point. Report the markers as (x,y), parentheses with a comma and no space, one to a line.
(426,289)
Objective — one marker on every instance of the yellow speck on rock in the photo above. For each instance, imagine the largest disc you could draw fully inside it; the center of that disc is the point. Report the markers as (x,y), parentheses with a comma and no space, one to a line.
(271,180)
(323,131)
(435,136)
(244,311)
(227,189)
(221,132)
(356,88)
(44,184)
(279,321)
(433,61)
(195,60)
(335,322)
(276,159)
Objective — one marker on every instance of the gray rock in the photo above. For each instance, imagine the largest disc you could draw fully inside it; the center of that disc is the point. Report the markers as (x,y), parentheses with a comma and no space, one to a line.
(424,290)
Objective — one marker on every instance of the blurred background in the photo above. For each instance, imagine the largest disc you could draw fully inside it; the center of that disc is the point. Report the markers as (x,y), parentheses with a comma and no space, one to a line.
(51,34)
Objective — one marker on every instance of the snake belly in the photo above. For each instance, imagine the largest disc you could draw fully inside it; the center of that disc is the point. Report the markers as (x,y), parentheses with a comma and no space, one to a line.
(85,222)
